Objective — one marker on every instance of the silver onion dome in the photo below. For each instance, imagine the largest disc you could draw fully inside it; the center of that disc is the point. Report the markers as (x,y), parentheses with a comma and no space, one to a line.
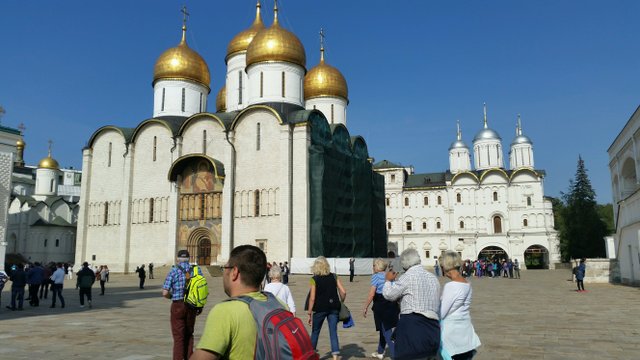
(458,144)
(487,134)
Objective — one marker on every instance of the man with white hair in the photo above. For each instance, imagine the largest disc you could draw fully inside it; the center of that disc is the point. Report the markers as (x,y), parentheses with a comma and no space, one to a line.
(417,334)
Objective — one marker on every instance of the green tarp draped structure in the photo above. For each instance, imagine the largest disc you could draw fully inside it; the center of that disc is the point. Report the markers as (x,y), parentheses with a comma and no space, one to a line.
(346,197)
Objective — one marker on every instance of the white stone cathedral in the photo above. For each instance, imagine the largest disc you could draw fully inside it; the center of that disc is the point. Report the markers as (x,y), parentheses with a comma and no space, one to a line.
(275,166)
(484,211)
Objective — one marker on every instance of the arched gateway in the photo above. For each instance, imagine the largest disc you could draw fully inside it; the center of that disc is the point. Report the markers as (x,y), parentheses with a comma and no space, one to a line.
(536,257)
(200,181)
(493,253)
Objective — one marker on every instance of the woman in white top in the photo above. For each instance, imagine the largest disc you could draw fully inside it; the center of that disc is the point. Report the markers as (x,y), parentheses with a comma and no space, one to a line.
(459,339)
(280,290)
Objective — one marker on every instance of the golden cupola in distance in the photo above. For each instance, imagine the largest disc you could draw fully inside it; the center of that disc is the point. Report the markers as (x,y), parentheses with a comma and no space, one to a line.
(241,41)
(48,163)
(324,80)
(276,44)
(181,62)
(221,100)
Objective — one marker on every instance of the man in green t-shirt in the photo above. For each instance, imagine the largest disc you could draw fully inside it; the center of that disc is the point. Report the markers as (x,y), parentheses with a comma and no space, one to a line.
(230,331)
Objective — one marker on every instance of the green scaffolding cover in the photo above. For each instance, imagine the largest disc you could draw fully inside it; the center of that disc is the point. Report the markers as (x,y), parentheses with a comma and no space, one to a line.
(346,197)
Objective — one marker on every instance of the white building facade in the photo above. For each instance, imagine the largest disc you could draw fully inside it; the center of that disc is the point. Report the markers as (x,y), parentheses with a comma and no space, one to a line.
(207,182)
(624,166)
(482,212)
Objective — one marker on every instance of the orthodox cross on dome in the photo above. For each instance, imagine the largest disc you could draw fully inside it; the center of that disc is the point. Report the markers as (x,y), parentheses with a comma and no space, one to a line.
(275,11)
(50,145)
(484,105)
(321,44)
(459,132)
(185,15)
(22,128)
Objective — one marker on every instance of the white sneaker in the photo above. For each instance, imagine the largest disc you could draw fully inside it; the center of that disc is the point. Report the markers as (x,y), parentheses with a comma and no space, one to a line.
(376,355)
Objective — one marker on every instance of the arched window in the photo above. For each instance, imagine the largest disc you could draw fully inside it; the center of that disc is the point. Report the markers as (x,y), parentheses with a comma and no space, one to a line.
(528,200)
(387,201)
(183,96)
(110,148)
(438,225)
(497,224)
(409,226)
(151,201)
(258,137)
(406,201)
(283,81)
(439,200)
(45,242)
(458,198)
(332,113)
(495,196)
(261,84)
(389,225)
(461,224)
(256,208)
(57,242)
(525,222)
(162,105)
(424,225)
(239,87)
(106,214)
(426,201)
(204,141)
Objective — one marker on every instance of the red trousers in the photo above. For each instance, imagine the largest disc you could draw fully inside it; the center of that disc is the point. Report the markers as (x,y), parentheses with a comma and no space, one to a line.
(183,320)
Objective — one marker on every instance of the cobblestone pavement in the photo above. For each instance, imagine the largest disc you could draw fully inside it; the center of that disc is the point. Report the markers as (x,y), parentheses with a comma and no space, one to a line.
(537,317)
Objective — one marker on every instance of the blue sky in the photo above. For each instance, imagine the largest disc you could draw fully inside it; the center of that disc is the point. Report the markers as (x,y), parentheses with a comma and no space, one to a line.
(570,68)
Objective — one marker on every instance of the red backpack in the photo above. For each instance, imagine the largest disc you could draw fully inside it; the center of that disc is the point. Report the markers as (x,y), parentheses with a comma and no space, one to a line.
(280,334)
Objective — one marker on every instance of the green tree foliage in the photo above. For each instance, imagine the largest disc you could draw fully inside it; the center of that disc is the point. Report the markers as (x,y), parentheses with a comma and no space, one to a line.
(582,230)
(606,214)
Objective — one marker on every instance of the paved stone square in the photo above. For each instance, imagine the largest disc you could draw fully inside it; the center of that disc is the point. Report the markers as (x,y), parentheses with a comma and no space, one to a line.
(537,317)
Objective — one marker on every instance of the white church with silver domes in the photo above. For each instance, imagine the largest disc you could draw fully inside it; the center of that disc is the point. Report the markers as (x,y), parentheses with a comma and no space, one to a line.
(484,211)
(275,166)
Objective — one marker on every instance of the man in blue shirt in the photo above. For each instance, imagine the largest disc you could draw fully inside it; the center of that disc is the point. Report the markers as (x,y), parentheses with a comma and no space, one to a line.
(183,318)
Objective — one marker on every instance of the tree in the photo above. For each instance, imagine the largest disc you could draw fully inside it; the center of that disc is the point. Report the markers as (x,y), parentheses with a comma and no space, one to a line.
(582,230)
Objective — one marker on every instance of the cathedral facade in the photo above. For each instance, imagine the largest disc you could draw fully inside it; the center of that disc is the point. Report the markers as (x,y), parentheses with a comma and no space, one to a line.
(482,210)
(274,166)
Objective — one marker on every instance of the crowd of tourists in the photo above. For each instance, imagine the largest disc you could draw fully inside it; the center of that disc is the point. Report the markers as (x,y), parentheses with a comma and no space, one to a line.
(492,268)
(40,279)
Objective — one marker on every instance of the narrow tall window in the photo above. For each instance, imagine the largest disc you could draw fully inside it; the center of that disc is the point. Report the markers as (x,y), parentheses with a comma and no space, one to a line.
(105,220)
(151,210)
(528,200)
(155,146)
(439,200)
(461,224)
(387,201)
(57,242)
(109,158)
(424,225)
(388,226)
(239,87)
(427,254)
(393,178)
(425,201)
(406,201)
(183,95)
(409,226)
(202,206)
(497,225)
(261,84)
(495,196)
(525,222)
(45,242)
(438,225)
(258,137)
(204,141)
(163,93)
(256,207)
(332,113)
(51,186)
(283,82)
(200,102)
(458,198)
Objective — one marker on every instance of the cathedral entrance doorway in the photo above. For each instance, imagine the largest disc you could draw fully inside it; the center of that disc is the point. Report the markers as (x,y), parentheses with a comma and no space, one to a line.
(204,252)
(493,253)
(536,257)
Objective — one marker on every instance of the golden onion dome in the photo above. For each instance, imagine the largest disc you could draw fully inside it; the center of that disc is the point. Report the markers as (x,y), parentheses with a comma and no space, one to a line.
(221,100)
(325,80)
(181,62)
(241,41)
(276,44)
(20,144)
(48,163)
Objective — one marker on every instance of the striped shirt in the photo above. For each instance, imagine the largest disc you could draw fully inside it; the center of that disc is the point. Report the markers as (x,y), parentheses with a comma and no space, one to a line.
(176,279)
(418,291)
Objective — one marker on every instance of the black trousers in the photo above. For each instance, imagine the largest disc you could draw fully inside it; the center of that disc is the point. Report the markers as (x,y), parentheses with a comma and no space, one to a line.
(102,287)
(142,283)
(33,295)
(85,292)
(44,288)
(351,275)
